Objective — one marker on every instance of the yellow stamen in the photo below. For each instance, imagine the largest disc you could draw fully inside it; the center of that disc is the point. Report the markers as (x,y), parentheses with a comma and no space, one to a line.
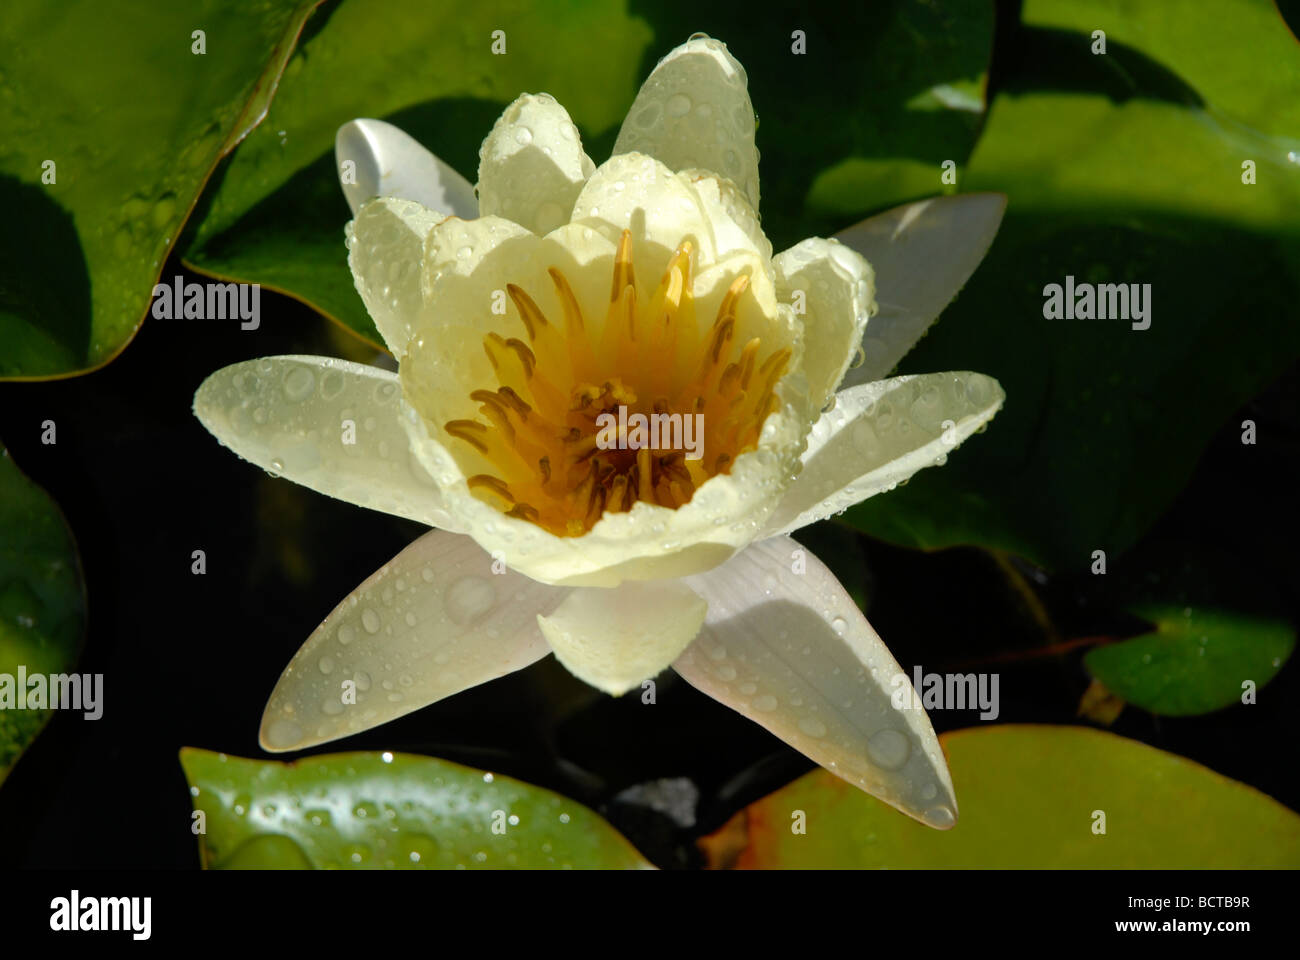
(544,424)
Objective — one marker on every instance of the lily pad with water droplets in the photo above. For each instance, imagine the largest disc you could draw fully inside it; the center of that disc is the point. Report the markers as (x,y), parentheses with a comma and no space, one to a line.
(1194,661)
(1031,797)
(389,811)
(113,121)
(42,600)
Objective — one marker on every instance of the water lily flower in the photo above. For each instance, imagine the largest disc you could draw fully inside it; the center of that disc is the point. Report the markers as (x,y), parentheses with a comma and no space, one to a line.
(534,318)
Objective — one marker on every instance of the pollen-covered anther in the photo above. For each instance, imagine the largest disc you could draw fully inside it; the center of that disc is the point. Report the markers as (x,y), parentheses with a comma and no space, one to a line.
(543,441)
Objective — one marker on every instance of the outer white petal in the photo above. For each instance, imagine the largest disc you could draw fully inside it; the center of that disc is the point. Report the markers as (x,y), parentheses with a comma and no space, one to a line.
(614,639)
(838,291)
(878,435)
(923,253)
(694,111)
(532,166)
(385,245)
(327,424)
(793,652)
(387,162)
(435,620)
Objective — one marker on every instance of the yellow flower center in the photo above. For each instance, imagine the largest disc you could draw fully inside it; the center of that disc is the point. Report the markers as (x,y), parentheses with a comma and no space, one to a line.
(561,428)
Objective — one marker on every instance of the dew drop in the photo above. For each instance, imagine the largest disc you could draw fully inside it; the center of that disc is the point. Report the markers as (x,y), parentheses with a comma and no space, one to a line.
(889,749)
(283,733)
(468,599)
(940,817)
(812,727)
(679,104)
(331,385)
(298,384)
(370,620)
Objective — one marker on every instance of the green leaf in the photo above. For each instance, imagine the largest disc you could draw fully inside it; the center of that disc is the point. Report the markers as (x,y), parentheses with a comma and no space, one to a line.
(1127,180)
(391,810)
(1195,660)
(278,216)
(42,600)
(1029,799)
(901,89)
(133,123)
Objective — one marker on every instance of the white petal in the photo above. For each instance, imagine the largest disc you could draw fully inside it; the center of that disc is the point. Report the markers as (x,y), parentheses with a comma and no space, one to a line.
(878,435)
(327,424)
(468,265)
(694,111)
(614,639)
(786,646)
(923,253)
(637,192)
(734,222)
(435,620)
(453,251)
(387,162)
(386,243)
(837,288)
(532,166)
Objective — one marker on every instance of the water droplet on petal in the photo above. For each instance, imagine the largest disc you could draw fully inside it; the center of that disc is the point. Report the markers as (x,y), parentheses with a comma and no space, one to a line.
(298,384)
(889,749)
(940,817)
(468,599)
(812,727)
(679,104)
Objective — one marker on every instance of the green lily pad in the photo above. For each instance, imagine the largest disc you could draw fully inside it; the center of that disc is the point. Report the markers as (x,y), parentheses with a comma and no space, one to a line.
(1196,660)
(132,122)
(1030,798)
(42,600)
(1118,170)
(390,810)
(901,90)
